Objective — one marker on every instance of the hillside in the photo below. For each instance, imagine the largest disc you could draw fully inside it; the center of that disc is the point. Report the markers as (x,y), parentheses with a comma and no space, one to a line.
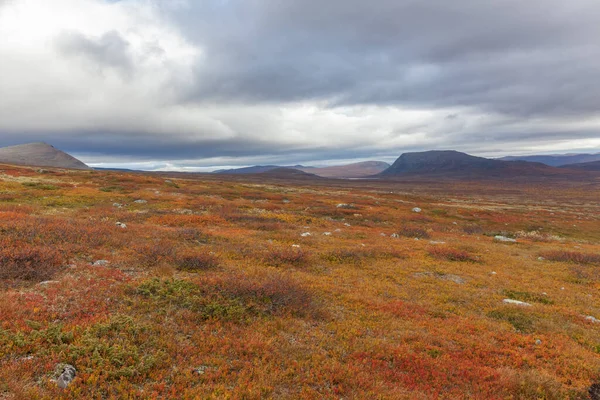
(354,170)
(588,166)
(287,173)
(39,155)
(256,169)
(556,160)
(454,164)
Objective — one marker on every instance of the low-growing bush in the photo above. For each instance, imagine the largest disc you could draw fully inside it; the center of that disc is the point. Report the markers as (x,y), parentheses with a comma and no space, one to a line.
(287,256)
(153,253)
(345,256)
(194,261)
(527,297)
(572,257)
(29,263)
(450,254)
(412,231)
(472,229)
(518,318)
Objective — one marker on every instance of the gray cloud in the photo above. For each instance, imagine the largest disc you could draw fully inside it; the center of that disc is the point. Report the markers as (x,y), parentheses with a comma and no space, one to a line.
(304,79)
(519,58)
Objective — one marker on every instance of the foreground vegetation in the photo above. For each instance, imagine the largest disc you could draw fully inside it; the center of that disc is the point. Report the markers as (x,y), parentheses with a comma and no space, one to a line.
(211,287)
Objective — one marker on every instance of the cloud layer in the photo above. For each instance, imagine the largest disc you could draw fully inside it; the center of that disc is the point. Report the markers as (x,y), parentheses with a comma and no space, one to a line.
(226,82)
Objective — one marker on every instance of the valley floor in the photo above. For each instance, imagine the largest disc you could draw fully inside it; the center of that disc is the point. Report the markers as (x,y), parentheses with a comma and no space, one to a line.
(158,286)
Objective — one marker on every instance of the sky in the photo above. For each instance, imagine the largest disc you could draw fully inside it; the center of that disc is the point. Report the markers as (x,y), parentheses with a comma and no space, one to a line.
(197,85)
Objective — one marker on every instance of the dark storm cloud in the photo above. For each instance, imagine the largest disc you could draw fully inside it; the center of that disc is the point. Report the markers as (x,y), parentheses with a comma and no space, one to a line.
(520,58)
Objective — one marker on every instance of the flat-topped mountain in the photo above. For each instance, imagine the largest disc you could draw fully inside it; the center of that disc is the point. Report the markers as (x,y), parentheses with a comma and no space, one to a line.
(355,170)
(454,164)
(39,155)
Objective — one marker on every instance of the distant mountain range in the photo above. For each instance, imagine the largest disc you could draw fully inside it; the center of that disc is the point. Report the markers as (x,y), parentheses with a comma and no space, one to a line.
(256,169)
(355,170)
(39,155)
(556,160)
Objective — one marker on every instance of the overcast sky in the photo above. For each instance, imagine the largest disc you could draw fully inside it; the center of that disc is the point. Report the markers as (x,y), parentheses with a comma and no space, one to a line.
(182,84)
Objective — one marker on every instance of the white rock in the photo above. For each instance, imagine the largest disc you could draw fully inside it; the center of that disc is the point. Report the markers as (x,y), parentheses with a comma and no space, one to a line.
(436,242)
(121,225)
(305,234)
(592,319)
(141,201)
(98,263)
(516,302)
(118,205)
(48,282)
(500,238)
(538,342)
(337,230)
(541,258)
(395,235)
(296,245)
(347,224)
(416,210)
(382,234)
(327,233)
(493,273)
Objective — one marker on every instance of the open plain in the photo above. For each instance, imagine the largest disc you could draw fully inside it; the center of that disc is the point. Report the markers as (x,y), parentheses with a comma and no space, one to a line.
(192,286)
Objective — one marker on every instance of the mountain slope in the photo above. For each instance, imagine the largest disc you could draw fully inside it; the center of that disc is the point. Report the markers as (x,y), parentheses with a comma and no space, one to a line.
(355,170)
(39,155)
(556,160)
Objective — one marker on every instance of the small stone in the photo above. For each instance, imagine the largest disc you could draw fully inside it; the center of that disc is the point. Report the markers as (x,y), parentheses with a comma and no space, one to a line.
(394,235)
(296,245)
(121,225)
(48,282)
(538,342)
(541,258)
(493,273)
(117,205)
(382,234)
(347,224)
(327,233)
(201,370)
(305,234)
(436,242)
(500,238)
(337,230)
(140,201)
(285,201)
(99,263)
(416,210)
(66,373)
(516,302)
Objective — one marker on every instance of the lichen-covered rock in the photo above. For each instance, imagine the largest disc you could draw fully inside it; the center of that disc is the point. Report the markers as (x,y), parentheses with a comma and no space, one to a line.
(66,373)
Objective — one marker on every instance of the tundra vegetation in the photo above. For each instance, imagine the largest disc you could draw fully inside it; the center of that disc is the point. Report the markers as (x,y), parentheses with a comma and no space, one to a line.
(211,289)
